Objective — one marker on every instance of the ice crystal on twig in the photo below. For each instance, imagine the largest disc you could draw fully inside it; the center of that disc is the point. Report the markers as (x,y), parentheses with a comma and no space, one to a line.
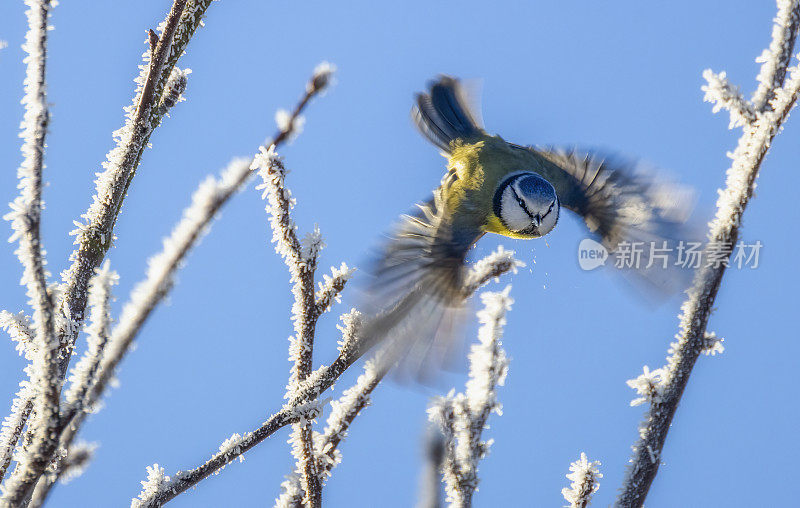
(331,287)
(14,423)
(156,480)
(775,59)
(491,267)
(583,475)
(649,385)
(712,345)
(322,78)
(173,92)
(724,95)
(20,329)
(83,374)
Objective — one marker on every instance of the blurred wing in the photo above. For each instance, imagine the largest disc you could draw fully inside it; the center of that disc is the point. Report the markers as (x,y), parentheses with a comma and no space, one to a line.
(415,299)
(622,202)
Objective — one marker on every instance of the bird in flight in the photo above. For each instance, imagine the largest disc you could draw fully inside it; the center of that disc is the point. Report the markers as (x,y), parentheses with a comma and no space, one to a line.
(492,186)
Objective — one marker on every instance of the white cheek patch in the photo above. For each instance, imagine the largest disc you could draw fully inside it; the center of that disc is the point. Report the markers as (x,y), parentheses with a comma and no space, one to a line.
(514,217)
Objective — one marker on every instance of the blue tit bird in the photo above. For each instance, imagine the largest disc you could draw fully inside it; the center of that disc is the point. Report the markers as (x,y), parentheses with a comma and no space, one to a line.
(493,186)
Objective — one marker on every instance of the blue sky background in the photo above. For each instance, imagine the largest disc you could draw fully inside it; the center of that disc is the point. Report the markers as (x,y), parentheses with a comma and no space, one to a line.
(624,75)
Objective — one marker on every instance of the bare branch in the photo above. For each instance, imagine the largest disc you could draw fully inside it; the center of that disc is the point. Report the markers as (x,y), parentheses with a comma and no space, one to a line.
(692,339)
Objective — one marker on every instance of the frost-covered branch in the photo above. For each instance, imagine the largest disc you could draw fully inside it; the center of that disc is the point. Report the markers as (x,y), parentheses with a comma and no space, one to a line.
(99,330)
(69,464)
(95,236)
(163,488)
(301,258)
(584,476)
(20,329)
(724,95)
(146,295)
(207,200)
(25,217)
(692,339)
(462,417)
(775,59)
(13,425)
(357,397)
(303,399)
(491,267)
(83,376)
(331,288)
(343,411)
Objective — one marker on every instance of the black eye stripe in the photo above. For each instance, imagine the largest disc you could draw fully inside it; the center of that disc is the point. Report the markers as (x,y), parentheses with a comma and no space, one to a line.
(522,203)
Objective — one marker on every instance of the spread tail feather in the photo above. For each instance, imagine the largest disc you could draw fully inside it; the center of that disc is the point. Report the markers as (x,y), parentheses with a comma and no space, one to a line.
(444,114)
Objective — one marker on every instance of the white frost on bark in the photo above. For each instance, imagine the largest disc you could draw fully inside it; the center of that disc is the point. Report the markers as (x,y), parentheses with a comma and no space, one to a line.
(772,102)
(462,417)
(584,476)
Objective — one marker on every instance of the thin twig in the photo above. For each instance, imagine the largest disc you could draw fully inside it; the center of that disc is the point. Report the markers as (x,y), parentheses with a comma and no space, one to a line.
(775,59)
(171,487)
(26,217)
(724,230)
(331,288)
(14,424)
(584,476)
(301,259)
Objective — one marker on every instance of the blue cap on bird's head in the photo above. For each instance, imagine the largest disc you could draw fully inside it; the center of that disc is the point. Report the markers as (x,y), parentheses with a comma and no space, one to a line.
(527,205)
